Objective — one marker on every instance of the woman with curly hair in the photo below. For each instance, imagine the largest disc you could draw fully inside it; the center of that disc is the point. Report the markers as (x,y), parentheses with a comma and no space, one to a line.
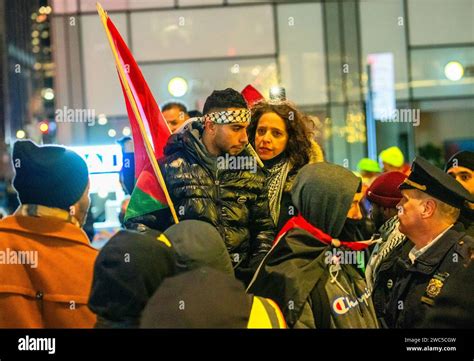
(282,137)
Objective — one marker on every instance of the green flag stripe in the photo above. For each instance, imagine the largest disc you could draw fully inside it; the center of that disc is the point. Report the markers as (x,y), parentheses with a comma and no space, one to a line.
(142,203)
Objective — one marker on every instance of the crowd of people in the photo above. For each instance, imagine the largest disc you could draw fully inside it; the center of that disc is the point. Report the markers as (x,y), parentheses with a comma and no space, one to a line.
(292,241)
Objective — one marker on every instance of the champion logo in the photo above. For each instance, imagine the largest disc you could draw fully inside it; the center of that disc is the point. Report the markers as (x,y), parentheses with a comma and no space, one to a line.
(342,305)
(339,306)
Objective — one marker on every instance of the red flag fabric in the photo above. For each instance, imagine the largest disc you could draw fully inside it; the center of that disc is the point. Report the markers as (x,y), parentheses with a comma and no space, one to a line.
(148,195)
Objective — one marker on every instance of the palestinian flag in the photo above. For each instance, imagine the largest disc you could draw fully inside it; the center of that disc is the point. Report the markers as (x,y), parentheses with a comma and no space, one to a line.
(149,129)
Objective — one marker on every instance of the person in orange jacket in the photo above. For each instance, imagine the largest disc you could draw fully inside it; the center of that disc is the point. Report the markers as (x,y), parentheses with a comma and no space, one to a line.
(46,261)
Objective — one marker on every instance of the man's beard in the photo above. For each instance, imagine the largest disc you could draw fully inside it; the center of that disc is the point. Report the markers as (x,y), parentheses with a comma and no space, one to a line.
(233,150)
(83,212)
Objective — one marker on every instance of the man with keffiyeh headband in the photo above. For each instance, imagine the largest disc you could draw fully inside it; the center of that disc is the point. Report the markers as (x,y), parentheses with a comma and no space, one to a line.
(203,187)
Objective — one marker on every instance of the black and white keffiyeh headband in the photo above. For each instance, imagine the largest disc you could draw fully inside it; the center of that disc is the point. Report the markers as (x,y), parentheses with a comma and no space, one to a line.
(229,116)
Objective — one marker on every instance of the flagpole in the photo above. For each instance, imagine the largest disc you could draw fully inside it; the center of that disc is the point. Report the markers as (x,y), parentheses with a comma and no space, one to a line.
(103,16)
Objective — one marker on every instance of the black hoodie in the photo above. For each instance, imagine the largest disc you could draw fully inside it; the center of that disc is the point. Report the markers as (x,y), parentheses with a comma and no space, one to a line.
(198,244)
(323,194)
(127,271)
(200,298)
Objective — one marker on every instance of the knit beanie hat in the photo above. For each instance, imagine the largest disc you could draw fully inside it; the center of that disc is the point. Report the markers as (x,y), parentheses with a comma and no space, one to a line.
(392,156)
(51,176)
(384,190)
(368,165)
(463,158)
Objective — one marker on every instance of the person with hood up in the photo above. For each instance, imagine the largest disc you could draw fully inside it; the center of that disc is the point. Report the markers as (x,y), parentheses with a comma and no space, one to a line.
(199,246)
(128,270)
(205,297)
(300,273)
(358,225)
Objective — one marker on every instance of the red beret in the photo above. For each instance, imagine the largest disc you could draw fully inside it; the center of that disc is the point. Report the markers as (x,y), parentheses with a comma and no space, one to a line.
(384,190)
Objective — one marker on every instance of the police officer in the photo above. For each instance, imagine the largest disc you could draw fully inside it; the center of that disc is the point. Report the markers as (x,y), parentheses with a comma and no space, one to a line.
(428,212)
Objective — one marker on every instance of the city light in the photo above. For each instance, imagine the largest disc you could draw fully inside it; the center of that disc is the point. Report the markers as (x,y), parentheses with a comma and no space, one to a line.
(126,131)
(277,93)
(454,70)
(177,87)
(47,93)
(46,10)
(44,127)
(112,133)
(41,18)
(20,134)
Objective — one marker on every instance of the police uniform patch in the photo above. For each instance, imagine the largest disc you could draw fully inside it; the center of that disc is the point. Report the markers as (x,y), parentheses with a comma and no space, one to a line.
(434,287)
